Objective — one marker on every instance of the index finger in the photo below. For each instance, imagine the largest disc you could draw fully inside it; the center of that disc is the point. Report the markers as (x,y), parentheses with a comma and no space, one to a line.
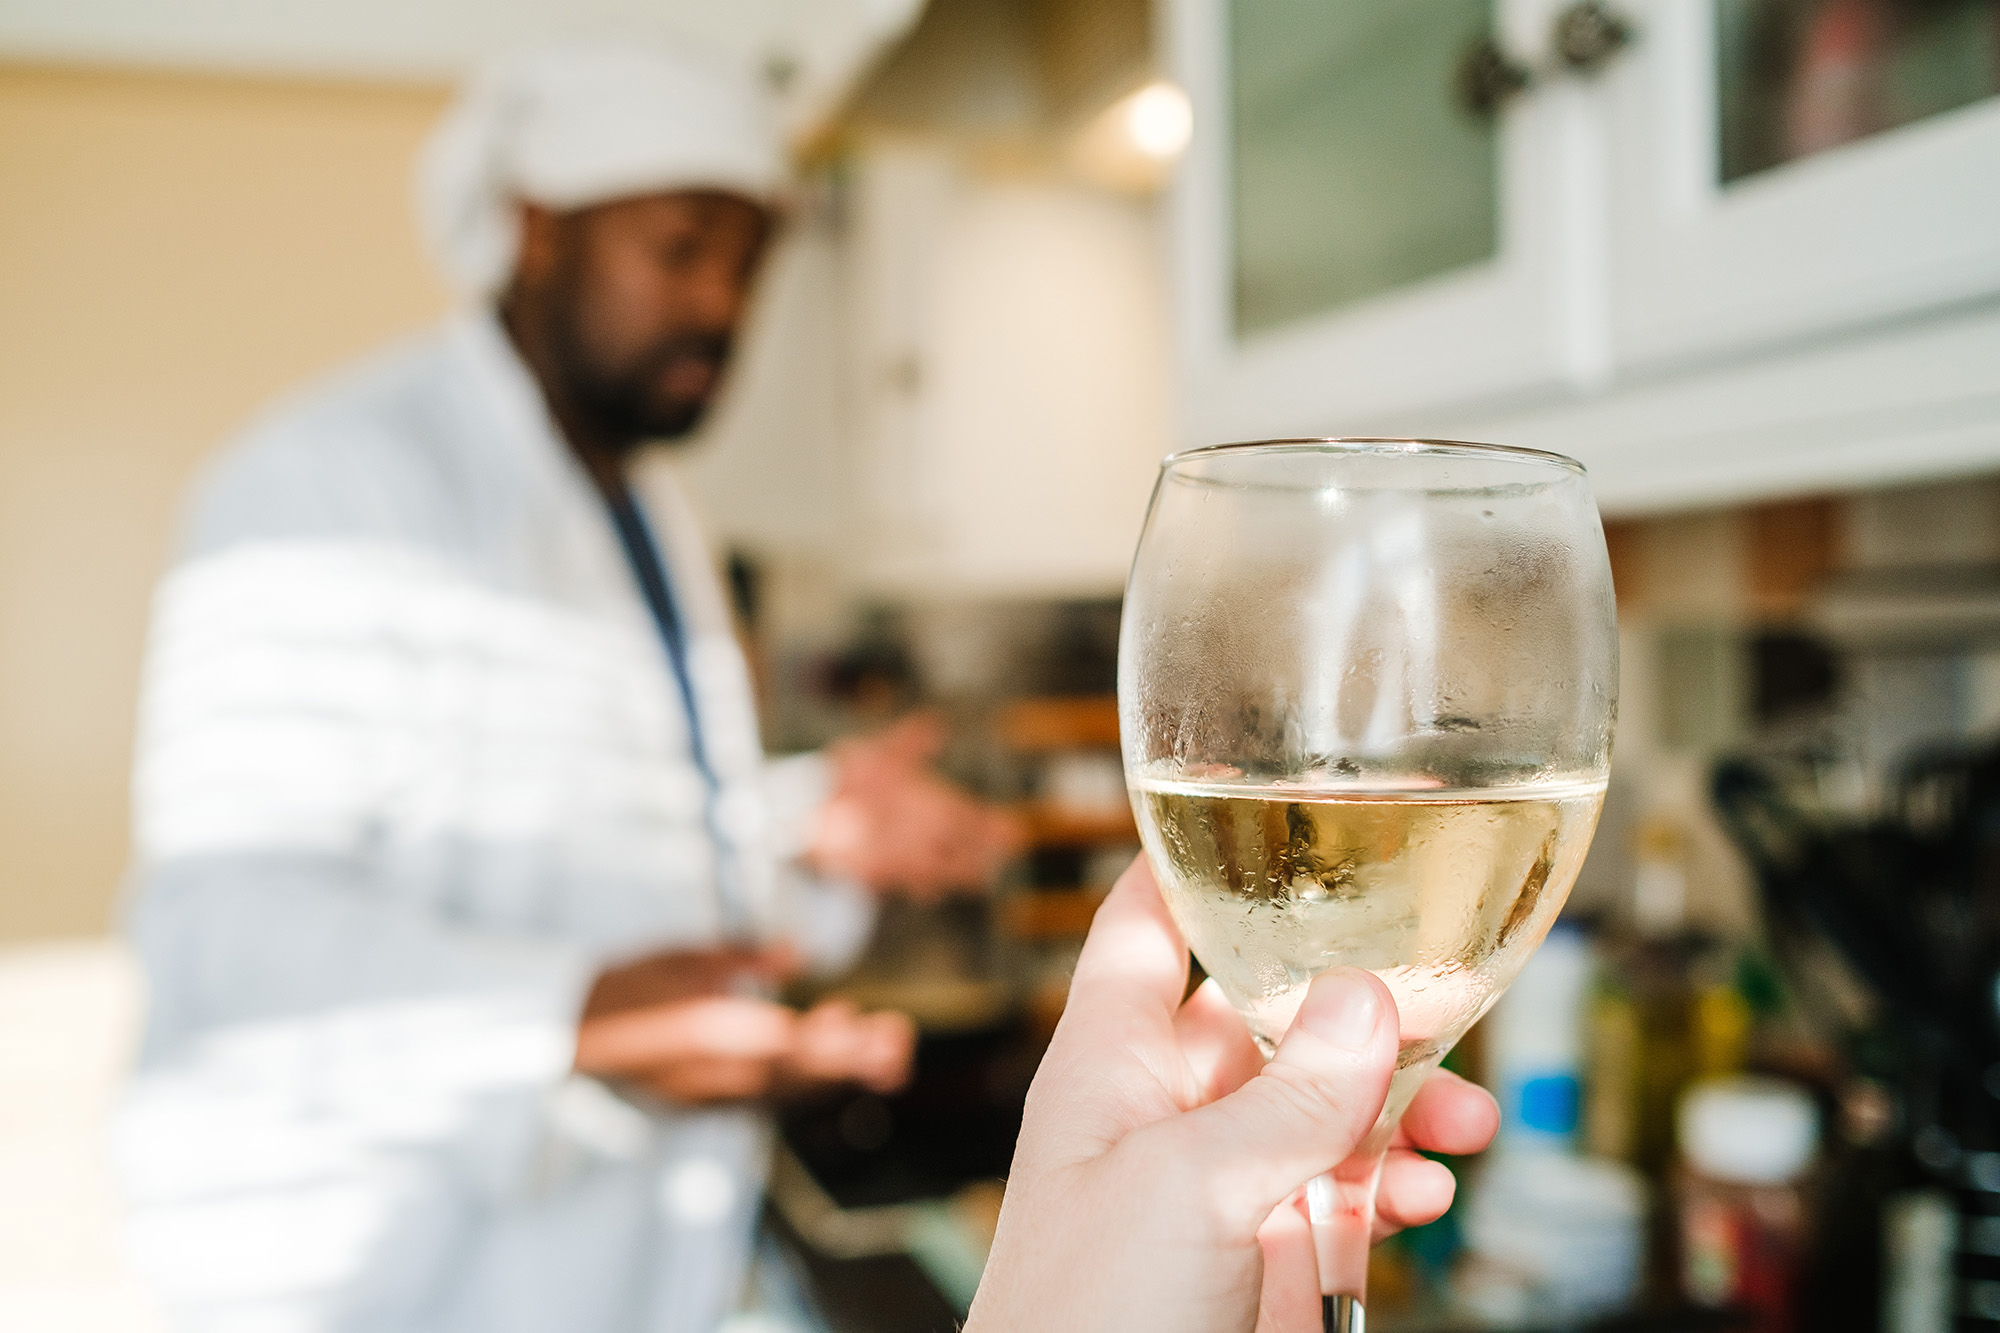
(1451,1115)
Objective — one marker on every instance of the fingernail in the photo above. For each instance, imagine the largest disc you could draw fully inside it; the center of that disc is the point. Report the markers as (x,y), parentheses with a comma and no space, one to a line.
(1344,1010)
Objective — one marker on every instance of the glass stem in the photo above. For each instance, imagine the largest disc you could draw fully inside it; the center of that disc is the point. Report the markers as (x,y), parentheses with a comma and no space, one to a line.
(1342,1314)
(1341,1205)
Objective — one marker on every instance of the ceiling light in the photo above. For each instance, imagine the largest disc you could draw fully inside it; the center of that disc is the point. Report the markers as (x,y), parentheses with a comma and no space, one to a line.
(1159,121)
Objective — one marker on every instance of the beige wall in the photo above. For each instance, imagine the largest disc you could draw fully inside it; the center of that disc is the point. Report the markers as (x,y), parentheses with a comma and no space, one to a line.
(173,251)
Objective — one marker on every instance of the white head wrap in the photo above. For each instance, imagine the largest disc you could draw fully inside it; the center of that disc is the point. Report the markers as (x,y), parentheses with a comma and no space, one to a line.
(576,125)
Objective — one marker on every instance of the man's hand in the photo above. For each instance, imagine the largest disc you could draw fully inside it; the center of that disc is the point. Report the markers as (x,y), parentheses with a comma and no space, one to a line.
(679,1026)
(894,824)
(1156,1181)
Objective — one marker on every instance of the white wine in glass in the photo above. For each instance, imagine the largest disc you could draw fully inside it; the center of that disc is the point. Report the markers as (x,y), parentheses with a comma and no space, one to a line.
(1366,691)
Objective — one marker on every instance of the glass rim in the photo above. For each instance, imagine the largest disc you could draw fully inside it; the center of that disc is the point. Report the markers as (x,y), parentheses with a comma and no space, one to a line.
(1376,444)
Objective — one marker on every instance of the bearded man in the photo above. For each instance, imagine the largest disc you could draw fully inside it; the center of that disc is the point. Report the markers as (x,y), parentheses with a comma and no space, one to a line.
(463,883)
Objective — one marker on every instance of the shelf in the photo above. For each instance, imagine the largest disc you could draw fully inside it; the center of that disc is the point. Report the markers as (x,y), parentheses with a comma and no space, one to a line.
(1058,826)
(949,1004)
(1037,726)
(1050,914)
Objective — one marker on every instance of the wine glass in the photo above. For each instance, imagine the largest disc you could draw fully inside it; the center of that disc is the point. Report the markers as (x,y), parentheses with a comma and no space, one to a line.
(1366,689)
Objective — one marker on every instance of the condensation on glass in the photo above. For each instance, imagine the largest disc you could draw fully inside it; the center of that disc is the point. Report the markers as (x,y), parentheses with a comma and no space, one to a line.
(1797,77)
(1355,169)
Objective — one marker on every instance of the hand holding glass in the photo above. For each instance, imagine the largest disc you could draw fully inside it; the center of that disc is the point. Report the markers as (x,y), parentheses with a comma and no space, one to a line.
(1366,690)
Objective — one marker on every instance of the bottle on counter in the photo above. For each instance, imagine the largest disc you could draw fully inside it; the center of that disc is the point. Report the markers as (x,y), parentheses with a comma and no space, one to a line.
(1668,1009)
(1549,1232)
(1535,1043)
(1747,1146)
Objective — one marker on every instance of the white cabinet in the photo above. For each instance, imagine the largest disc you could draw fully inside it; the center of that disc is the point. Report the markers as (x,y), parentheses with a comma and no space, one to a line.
(1691,287)
(1898,222)
(1504,323)
(1008,372)
(956,386)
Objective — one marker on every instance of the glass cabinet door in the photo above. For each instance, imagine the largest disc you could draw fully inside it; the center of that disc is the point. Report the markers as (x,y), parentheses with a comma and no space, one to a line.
(1799,169)
(1798,77)
(1353,169)
(1354,250)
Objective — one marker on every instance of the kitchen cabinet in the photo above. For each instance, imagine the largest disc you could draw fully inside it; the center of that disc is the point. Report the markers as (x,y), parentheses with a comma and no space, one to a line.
(1752,252)
(1745,217)
(1347,244)
(1008,379)
(955,386)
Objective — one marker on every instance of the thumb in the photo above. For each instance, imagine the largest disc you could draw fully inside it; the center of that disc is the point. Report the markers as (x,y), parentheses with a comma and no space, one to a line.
(1307,1110)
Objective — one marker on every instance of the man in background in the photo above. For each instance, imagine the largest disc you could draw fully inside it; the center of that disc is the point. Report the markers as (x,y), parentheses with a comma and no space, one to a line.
(463,880)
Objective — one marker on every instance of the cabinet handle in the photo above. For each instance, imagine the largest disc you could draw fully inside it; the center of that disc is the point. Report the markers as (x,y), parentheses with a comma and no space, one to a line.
(1589,33)
(1586,36)
(1487,78)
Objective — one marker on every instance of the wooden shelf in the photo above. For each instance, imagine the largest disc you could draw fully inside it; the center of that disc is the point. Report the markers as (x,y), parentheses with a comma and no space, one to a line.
(938,1004)
(1055,826)
(1050,914)
(1037,726)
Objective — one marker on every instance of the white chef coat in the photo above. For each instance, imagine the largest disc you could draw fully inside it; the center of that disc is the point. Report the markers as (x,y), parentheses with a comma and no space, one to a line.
(412,769)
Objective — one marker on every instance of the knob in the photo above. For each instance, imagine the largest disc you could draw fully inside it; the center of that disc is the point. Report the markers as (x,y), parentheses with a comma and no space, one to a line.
(1588,34)
(1487,78)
